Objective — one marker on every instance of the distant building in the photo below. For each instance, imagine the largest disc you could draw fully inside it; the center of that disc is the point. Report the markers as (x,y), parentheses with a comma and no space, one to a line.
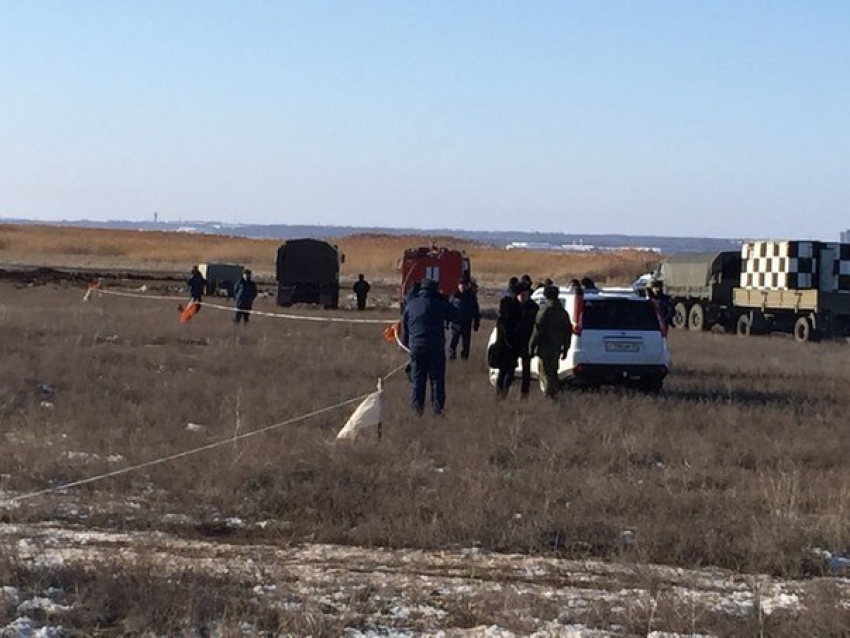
(845,236)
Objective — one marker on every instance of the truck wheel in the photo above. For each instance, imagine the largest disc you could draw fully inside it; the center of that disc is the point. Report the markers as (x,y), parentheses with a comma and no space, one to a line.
(803,330)
(744,327)
(680,316)
(696,318)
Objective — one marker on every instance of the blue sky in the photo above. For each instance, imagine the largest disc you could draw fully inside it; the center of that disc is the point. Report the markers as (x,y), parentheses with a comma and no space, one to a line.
(673,118)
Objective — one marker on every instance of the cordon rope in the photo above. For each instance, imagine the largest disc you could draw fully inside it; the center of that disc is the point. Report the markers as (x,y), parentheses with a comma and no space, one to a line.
(193,451)
(231,439)
(262,313)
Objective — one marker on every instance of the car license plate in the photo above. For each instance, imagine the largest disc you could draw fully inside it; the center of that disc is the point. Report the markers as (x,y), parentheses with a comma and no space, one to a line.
(622,346)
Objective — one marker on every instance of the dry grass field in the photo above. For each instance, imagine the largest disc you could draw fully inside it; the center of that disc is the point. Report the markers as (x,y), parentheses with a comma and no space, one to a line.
(741,464)
(375,255)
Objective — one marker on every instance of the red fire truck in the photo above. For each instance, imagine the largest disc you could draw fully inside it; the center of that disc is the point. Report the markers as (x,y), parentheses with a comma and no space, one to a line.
(443,265)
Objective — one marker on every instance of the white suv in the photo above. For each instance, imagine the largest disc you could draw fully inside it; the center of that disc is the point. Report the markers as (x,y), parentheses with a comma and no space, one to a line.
(619,338)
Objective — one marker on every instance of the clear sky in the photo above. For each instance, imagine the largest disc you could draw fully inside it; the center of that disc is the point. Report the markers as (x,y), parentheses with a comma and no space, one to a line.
(717,118)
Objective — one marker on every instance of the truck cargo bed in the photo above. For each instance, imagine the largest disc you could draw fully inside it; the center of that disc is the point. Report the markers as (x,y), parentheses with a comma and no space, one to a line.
(793,299)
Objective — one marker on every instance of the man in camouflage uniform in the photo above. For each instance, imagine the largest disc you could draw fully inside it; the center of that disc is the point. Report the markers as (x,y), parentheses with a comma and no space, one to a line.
(551,340)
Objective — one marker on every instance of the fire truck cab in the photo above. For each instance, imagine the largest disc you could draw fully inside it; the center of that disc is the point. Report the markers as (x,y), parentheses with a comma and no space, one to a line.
(443,265)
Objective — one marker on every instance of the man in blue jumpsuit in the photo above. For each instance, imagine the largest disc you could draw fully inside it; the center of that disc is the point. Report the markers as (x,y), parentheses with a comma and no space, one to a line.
(245,293)
(467,318)
(423,333)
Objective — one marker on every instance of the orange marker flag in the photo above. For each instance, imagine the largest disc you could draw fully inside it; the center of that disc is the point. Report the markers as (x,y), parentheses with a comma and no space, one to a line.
(189,311)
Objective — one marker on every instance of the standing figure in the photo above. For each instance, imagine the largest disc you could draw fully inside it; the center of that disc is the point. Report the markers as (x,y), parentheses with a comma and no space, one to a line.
(507,345)
(423,334)
(467,318)
(553,332)
(511,288)
(244,294)
(528,310)
(588,285)
(665,305)
(361,288)
(197,286)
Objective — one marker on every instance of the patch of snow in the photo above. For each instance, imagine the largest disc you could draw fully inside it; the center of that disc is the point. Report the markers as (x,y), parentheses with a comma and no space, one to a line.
(781,601)
(23,627)
(42,604)
(10,596)
(195,427)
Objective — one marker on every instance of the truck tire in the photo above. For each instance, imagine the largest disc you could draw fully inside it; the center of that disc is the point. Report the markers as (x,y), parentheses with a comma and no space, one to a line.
(804,330)
(744,326)
(696,318)
(680,316)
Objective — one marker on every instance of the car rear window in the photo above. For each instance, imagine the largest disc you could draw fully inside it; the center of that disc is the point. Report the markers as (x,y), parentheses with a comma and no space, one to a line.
(618,314)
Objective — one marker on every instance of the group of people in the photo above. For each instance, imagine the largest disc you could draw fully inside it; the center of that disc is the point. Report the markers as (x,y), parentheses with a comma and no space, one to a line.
(244,293)
(524,330)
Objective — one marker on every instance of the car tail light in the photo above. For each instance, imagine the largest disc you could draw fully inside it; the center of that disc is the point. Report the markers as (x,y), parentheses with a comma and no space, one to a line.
(578,311)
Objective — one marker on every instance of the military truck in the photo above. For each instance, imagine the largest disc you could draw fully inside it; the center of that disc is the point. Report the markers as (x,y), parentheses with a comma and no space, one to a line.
(796,287)
(801,287)
(221,278)
(700,286)
(308,272)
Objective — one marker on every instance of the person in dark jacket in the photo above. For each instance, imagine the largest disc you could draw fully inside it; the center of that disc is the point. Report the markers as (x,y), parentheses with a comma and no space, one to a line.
(510,290)
(197,285)
(528,310)
(665,305)
(550,341)
(244,295)
(588,285)
(506,347)
(423,333)
(361,289)
(467,319)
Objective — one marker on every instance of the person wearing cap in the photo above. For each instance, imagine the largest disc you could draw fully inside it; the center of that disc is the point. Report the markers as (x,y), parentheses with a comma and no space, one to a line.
(244,295)
(467,319)
(527,310)
(551,339)
(361,289)
(423,333)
